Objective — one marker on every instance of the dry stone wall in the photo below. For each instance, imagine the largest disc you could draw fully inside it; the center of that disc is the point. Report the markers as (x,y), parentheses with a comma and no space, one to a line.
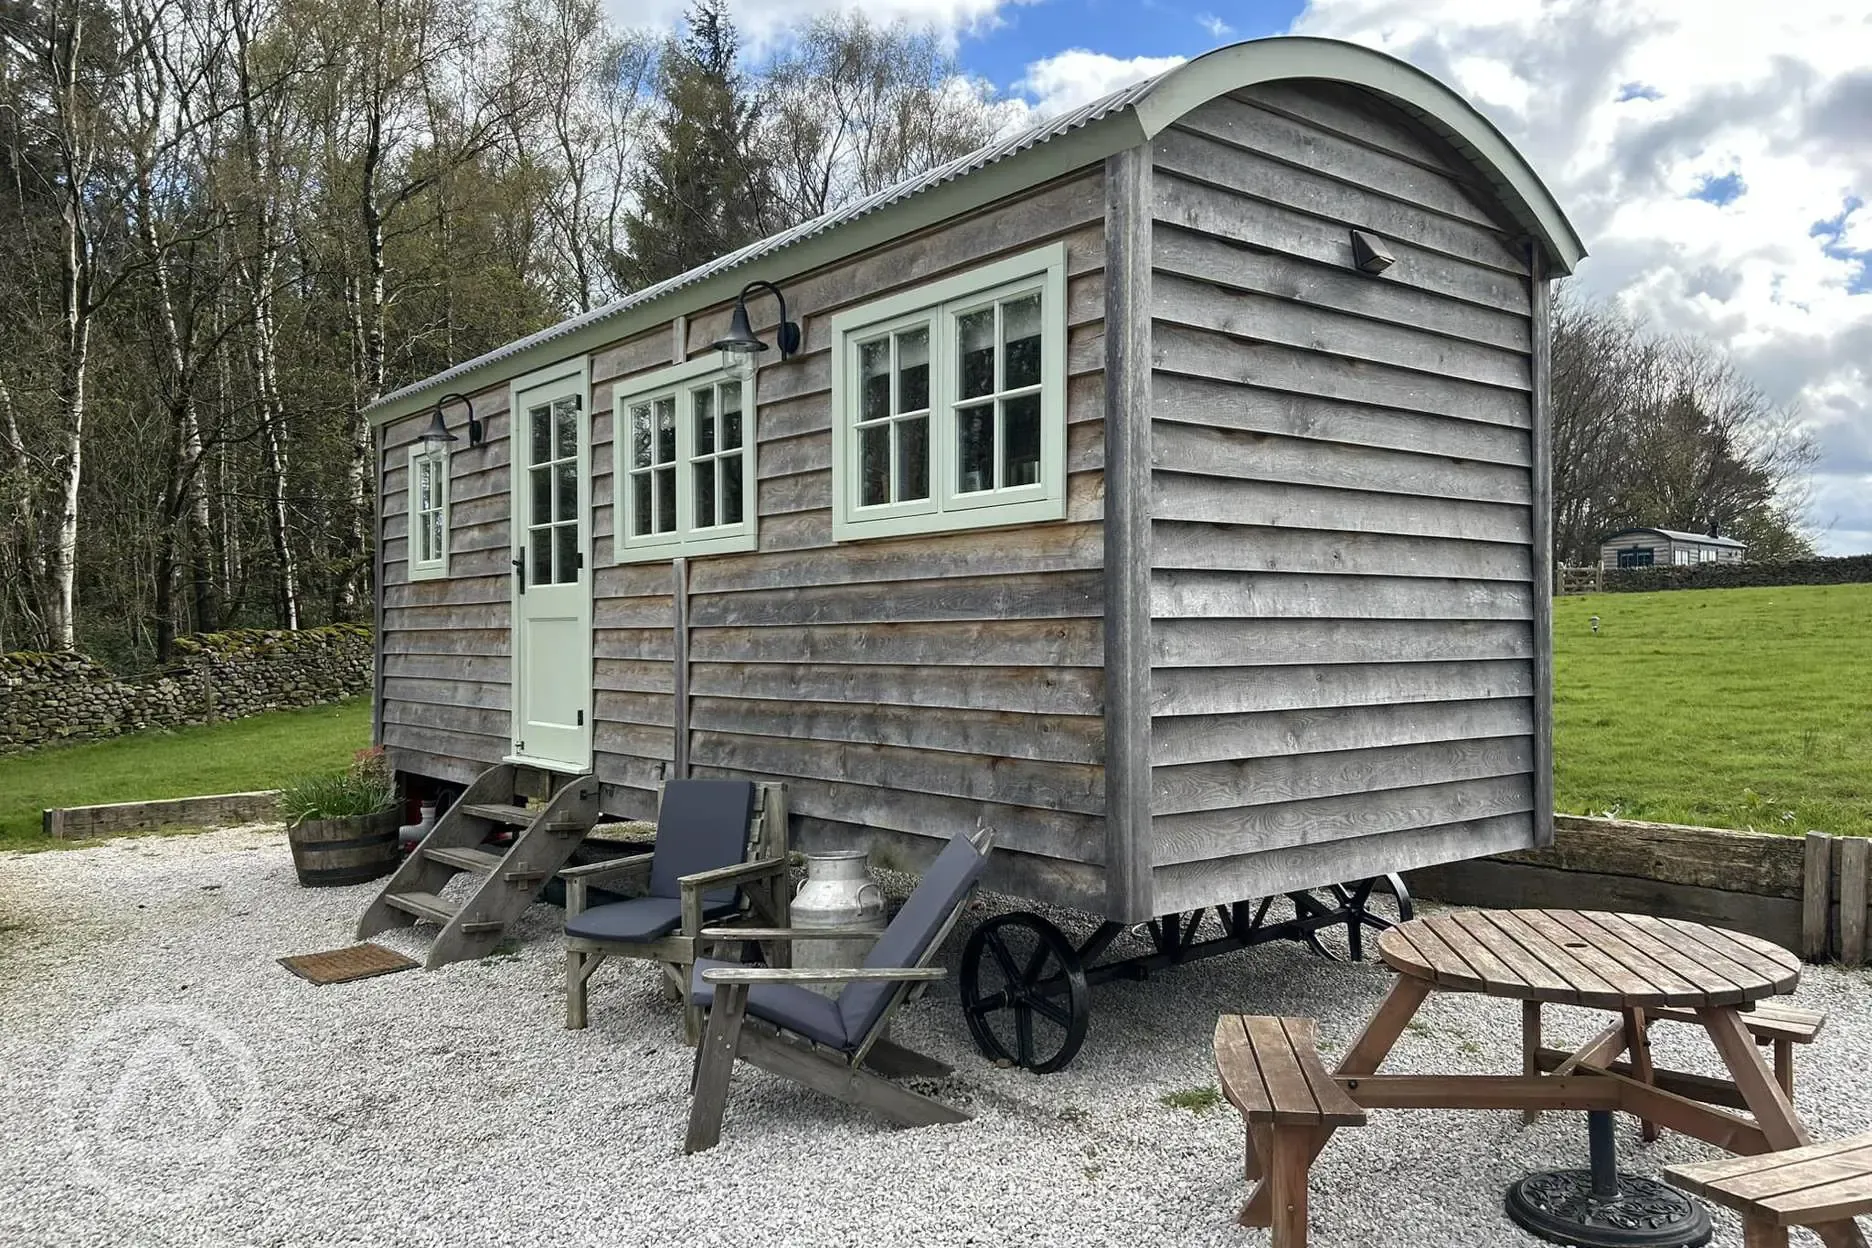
(1846,570)
(64,697)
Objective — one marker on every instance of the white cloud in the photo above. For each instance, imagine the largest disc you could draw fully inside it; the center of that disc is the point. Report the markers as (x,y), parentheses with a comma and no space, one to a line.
(1777,94)
(1076,76)
(763,23)
(1217,28)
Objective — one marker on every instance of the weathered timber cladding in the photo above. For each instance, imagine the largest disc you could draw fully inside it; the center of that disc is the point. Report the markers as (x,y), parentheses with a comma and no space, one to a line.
(446,676)
(1292,628)
(908,685)
(1344,597)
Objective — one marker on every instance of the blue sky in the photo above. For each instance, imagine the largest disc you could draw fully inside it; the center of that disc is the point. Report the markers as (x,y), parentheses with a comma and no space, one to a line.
(1033,32)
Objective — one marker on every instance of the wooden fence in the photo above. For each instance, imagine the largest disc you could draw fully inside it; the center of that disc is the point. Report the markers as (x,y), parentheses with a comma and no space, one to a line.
(1806,893)
(1578,580)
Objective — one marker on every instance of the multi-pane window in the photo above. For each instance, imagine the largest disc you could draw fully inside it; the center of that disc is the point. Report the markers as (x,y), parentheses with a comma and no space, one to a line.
(685,462)
(894,417)
(998,356)
(949,403)
(428,516)
(553,492)
(716,455)
(651,483)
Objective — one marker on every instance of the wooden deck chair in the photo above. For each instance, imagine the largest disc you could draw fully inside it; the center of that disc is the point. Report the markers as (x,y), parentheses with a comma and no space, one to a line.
(720,848)
(766,1016)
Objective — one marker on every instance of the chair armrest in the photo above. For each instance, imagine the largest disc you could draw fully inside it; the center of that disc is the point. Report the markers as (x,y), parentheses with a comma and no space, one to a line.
(578,879)
(595,871)
(739,873)
(785,933)
(819,975)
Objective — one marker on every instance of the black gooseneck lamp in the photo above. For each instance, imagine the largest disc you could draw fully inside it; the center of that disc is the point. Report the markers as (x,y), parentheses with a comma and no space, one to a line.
(437,433)
(740,342)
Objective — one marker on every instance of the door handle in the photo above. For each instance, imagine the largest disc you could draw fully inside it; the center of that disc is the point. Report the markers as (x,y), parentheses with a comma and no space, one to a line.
(520,571)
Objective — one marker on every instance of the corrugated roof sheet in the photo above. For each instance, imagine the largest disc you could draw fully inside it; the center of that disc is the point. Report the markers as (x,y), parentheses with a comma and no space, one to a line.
(982,157)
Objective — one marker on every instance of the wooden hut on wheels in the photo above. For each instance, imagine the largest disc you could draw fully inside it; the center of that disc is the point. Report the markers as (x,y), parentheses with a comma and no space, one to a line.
(1166,486)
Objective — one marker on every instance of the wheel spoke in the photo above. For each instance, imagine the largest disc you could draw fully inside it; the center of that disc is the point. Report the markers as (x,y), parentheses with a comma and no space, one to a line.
(1035,964)
(1023,1032)
(1051,1009)
(1001,955)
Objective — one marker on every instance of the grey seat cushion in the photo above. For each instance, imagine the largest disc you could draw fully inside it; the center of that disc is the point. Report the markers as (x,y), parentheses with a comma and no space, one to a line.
(643,918)
(942,889)
(790,1006)
(702,825)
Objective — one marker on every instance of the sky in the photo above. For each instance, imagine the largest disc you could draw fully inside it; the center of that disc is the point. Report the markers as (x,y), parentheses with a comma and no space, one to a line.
(1715,155)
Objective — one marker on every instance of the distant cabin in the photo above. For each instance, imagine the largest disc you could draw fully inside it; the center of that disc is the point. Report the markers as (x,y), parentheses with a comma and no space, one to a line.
(1165,487)
(1663,548)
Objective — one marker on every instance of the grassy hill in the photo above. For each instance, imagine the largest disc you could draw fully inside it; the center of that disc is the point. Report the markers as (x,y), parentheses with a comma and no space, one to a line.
(1731,708)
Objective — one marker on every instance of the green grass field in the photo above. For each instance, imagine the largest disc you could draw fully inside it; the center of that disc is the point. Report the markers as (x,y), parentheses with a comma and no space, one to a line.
(1735,708)
(1730,708)
(260,752)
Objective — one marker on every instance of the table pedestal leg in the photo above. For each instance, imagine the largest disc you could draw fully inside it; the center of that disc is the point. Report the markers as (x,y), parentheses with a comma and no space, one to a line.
(1601,1208)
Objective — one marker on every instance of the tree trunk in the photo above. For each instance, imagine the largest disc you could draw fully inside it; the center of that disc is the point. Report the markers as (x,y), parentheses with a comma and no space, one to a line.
(263,354)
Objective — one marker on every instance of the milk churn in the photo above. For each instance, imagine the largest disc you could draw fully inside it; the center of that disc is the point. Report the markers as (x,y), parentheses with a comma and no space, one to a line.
(838,893)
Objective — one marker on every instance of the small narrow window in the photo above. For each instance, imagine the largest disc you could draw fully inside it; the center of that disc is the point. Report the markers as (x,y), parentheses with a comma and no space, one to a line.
(949,403)
(428,513)
(685,451)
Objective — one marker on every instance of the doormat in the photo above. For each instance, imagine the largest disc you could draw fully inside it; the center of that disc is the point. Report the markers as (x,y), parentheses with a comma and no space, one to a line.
(337,966)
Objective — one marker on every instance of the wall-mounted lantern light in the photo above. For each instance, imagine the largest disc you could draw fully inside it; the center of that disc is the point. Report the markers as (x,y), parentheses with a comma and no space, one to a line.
(741,344)
(1370,254)
(437,432)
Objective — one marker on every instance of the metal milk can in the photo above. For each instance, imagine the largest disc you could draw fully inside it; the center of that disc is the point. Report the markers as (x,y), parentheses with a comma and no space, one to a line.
(837,893)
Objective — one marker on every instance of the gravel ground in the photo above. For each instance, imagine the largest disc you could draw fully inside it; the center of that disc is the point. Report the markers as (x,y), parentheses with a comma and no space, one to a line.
(164,1081)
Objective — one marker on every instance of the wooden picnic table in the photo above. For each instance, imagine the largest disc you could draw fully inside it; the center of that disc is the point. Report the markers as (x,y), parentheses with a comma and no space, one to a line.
(1624,963)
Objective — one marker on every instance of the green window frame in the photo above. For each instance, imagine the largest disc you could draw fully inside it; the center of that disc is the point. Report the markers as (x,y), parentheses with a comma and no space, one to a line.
(949,403)
(428,513)
(683,462)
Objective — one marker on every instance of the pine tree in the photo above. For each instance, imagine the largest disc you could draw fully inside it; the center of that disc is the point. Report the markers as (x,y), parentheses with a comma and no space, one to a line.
(706,188)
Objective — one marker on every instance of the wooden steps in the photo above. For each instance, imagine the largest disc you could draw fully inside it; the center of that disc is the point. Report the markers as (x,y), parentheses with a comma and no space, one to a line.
(433,909)
(505,879)
(477,860)
(499,812)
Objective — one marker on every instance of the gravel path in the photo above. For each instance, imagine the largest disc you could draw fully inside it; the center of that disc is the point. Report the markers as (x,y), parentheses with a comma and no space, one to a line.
(164,1081)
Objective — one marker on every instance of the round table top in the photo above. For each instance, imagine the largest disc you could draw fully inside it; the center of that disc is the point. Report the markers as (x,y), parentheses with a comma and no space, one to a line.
(1589,957)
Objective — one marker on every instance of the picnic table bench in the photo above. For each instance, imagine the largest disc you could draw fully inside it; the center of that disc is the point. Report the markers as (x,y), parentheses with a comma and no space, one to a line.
(1270,1070)
(1799,1187)
(1635,966)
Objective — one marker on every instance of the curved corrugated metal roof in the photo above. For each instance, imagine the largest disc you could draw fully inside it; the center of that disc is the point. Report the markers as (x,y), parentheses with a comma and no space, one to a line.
(1677,535)
(1149,106)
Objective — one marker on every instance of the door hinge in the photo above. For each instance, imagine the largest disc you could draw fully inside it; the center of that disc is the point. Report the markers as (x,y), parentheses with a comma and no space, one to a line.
(580,556)
(519,747)
(581,719)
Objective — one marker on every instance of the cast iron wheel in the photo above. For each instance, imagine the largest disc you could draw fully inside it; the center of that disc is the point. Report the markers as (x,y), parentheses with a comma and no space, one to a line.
(1024,992)
(1370,908)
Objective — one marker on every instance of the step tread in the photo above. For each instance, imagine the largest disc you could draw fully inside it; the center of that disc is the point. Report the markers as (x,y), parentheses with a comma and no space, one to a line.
(423,906)
(501,812)
(465,859)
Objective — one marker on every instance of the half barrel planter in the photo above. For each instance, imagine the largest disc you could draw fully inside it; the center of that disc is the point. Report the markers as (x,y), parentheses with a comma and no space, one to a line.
(330,852)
